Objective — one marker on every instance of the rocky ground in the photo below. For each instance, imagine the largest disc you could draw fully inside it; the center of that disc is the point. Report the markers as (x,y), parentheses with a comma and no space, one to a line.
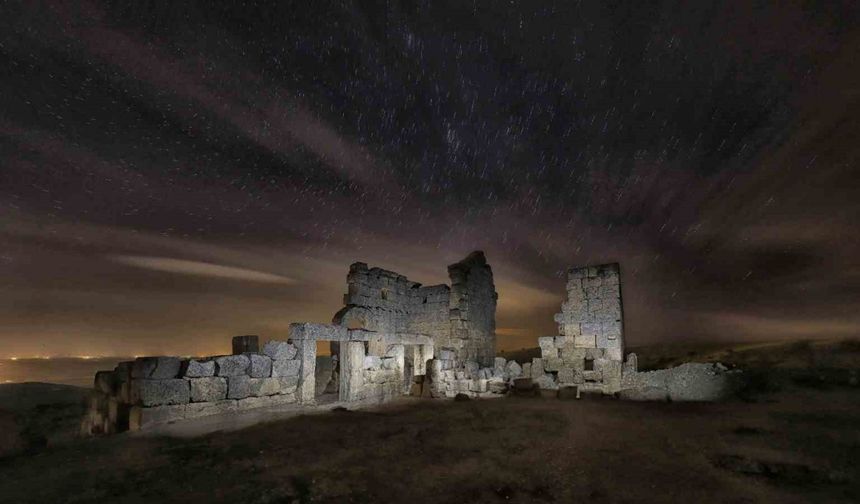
(793,435)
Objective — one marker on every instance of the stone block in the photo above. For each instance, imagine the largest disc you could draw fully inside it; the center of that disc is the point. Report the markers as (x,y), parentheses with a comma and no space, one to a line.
(513,370)
(160,392)
(285,367)
(141,417)
(259,387)
(527,369)
(585,341)
(208,389)
(260,367)
(287,384)
(313,332)
(156,368)
(372,362)
(202,409)
(278,350)
(537,368)
(238,387)
(232,365)
(552,364)
(307,353)
(472,368)
(499,363)
(546,381)
(447,354)
(105,382)
(566,375)
(198,368)
(546,344)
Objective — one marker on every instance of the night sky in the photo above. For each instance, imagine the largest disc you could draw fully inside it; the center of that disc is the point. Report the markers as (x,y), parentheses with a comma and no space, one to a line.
(173,174)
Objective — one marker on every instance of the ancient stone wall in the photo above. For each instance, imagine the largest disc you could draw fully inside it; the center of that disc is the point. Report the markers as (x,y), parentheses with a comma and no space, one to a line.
(592,316)
(155,390)
(450,376)
(472,312)
(460,317)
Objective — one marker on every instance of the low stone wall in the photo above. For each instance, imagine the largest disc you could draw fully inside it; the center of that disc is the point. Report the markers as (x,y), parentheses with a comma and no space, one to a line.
(155,390)
(687,382)
(449,377)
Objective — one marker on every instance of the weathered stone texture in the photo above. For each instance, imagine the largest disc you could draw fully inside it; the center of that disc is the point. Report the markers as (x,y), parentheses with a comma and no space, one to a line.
(278,350)
(156,368)
(160,392)
(285,367)
(232,365)
(208,389)
(238,387)
(198,368)
(260,366)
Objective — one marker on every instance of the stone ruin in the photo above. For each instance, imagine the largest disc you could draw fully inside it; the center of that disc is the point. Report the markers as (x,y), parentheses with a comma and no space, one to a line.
(394,337)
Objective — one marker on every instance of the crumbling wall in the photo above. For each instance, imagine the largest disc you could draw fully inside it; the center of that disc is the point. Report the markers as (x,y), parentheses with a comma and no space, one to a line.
(450,376)
(460,317)
(155,390)
(472,312)
(589,351)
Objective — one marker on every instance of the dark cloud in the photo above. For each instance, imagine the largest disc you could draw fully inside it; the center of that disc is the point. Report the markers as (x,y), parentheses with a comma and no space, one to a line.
(710,148)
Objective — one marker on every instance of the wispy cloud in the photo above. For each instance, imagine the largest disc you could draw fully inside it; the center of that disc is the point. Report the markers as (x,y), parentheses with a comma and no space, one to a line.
(182,266)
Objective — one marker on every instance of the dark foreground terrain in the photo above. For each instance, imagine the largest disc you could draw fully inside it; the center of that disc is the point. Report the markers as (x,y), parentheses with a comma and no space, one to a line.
(792,435)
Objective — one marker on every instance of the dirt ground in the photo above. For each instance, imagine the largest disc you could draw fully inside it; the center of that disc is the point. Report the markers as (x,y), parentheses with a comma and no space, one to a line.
(792,436)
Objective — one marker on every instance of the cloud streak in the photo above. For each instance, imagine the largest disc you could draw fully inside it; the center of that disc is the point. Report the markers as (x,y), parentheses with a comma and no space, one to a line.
(185,267)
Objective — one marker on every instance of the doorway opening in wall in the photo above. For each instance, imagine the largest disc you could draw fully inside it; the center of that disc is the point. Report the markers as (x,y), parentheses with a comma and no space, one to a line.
(589,365)
(325,374)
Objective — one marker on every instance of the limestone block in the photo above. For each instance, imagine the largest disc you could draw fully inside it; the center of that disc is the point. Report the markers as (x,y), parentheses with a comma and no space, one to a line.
(552,364)
(277,350)
(198,368)
(547,345)
(537,368)
(259,387)
(527,369)
(351,377)
(285,367)
(232,365)
(471,368)
(238,387)
(478,385)
(572,354)
(141,417)
(260,367)
(546,381)
(388,363)
(160,392)
(585,341)
(105,382)
(595,353)
(208,389)
(287,384)
(307,353)
(497,386)
(447,354)
(372,362)
(202,409)
(499,363)
(513,370)
(566,375)
(156,368)
(310,331)
(460,374)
